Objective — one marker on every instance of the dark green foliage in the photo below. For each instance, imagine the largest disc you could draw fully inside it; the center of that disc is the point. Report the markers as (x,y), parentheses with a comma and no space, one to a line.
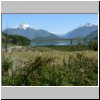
(6,64)
(15,39)
(93,46)
(82,70)
(4,34)
(43,71)
(16,80)
(52,77)
(40,72)
(70,48)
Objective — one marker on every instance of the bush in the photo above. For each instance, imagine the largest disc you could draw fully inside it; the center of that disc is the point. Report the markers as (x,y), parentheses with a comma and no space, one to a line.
(94,46)
(39,72)
(43,71)
(6,63)
(82,71)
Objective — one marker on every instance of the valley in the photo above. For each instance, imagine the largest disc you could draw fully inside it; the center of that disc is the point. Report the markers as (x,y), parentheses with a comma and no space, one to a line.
(33,57)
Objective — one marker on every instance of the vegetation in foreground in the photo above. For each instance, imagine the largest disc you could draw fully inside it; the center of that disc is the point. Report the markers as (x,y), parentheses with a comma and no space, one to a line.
(49,66)
(77,70)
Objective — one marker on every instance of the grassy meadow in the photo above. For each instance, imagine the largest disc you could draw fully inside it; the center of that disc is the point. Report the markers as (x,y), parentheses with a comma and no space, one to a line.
(50,66)
(49,52)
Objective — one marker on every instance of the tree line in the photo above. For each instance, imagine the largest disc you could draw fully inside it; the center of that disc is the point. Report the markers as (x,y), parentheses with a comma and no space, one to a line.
(15,39)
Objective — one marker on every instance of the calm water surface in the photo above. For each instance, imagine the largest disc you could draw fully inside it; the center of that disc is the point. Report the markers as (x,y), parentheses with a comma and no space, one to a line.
(53,42)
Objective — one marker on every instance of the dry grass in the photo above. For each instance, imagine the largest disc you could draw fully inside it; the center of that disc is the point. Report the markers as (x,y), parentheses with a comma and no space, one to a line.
(36,67)
(59,55)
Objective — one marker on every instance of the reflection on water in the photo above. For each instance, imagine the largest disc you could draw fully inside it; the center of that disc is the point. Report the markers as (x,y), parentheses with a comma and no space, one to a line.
(53,42)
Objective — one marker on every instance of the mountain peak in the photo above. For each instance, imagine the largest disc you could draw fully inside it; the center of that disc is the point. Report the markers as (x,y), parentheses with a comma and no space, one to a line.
(82,31)
(24,26)
(88,25)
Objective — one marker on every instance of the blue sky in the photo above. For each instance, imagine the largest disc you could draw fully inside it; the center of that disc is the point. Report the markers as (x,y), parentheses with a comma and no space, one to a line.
(57,23)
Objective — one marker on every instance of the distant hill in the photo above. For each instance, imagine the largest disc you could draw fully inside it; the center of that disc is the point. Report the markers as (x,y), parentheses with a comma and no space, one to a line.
(31,33)
(26,30)
(93,35)
(82,31)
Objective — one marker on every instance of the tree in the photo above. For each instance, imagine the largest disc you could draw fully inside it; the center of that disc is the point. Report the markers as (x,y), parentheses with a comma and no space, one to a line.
(17,39)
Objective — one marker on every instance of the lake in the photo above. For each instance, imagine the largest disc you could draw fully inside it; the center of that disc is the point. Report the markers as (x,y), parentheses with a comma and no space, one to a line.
(54,42)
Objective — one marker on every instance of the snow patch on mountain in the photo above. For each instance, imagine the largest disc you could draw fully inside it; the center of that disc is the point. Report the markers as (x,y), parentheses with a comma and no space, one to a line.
(88,25)
(24,26)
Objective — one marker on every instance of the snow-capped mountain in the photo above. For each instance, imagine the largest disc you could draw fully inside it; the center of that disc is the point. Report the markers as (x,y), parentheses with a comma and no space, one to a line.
(24,26)
(88,25)
(82,31)
(26,30)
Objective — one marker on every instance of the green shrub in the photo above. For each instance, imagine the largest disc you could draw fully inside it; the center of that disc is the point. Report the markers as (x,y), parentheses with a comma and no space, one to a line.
(44,71)
(6,63)
(94,46)
(82,70)
(20,78)
(51,76)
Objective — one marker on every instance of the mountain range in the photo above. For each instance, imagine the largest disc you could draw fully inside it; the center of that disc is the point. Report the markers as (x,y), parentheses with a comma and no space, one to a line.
(26,30)
(81,31)
(93,35)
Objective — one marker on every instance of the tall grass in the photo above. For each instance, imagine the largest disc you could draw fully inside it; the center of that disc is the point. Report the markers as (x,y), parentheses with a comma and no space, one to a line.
(79,70)
(82,70)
